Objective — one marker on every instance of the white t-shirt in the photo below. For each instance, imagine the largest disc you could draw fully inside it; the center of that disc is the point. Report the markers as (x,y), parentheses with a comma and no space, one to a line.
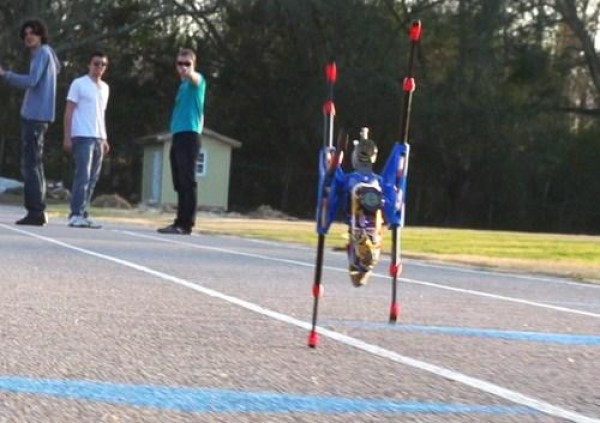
(90,100)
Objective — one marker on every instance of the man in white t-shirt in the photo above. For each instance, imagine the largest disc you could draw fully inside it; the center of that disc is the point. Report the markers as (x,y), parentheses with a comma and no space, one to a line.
(85,136)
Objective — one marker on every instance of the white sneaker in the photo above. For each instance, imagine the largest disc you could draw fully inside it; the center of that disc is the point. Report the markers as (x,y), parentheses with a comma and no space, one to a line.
(92,224)
(77,221)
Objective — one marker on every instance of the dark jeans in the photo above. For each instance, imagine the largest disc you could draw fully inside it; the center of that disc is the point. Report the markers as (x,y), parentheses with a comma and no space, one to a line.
(32,166)
(184,155)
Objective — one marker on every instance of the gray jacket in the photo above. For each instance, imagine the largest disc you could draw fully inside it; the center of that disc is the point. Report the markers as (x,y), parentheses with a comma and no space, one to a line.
(39,102)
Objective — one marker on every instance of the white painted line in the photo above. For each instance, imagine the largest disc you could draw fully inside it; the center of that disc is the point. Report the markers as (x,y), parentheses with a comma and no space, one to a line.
(472,382)
(465,269)
(378,275)
(452,267)
(504,298)
(278,244)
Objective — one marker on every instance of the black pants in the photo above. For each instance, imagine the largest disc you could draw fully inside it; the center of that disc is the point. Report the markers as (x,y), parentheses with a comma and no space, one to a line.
(184,155)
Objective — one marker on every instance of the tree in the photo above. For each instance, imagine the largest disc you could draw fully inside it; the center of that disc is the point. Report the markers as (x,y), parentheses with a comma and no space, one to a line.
(270,89)
(140,36)
(495,142)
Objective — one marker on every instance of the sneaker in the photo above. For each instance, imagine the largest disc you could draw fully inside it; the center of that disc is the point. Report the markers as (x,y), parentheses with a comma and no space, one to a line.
(174,229)
(77,221)
(92,224)
(32,220)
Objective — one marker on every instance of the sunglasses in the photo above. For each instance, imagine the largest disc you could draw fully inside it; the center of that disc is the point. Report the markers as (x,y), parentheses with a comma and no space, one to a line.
(185,64)
(99,64)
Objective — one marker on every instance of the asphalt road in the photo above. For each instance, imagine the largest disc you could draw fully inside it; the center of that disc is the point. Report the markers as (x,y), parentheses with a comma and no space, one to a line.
(122,324)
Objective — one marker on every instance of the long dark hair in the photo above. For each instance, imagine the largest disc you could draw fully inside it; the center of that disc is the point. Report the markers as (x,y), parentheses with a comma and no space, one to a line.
(38,27)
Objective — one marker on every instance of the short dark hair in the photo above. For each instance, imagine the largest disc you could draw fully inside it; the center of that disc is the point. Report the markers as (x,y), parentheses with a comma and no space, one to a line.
(38,27)
(187,52)
(97,53)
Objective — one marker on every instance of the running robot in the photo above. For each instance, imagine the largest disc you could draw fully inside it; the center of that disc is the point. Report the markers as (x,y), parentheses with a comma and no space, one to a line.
(369,200)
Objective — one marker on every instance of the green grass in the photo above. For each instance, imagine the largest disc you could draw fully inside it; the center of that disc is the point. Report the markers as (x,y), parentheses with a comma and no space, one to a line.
(518,245)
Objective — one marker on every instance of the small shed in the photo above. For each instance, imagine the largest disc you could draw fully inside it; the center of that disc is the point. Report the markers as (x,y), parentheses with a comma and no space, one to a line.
(212,170)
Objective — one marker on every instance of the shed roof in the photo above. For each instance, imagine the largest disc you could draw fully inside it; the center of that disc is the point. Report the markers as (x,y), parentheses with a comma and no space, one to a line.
(163,137)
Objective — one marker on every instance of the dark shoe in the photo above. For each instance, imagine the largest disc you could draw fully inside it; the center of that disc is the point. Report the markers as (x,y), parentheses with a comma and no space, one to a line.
(32,220)
(174,229)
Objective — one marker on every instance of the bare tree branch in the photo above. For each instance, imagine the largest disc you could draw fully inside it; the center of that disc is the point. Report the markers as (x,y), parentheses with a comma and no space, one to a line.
(568,10)
(113,33)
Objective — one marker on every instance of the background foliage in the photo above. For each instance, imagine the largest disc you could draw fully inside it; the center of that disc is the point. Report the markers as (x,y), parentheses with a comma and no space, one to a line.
(504,130)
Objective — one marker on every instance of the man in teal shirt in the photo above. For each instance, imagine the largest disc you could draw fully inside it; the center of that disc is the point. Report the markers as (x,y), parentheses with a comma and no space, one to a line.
(187,122)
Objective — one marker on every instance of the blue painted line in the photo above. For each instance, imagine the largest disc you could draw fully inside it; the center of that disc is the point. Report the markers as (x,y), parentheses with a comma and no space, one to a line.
(547,338)
(192,400)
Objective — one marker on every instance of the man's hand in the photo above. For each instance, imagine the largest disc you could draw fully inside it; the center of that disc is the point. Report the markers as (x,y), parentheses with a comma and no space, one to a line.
(105,147)
(67,145)
(193,76)
(2,71)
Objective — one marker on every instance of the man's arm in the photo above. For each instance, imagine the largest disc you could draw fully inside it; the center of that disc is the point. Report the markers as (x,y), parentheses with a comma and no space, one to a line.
(105,145)
(36,71)
(68,121)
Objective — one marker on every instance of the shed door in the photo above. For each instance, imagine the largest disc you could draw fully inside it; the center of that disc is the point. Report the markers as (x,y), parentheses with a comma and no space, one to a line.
(156,175)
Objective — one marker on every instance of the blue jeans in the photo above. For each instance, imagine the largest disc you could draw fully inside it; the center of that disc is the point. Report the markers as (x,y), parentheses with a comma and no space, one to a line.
(32,165)
(87,153)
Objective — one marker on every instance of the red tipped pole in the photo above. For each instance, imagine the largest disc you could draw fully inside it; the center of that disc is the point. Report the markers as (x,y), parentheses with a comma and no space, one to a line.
(317,292)
(408,87)
(331,74)
(328,123)
(329,106)
(416,28)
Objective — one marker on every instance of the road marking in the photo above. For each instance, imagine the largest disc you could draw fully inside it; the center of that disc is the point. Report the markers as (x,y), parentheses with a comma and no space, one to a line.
(465,269)
(546,338)
(375,274)
(204,400)
(473,382)
(502,298)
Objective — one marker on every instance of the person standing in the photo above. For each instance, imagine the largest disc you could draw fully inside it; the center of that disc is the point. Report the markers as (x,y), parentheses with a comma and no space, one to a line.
(187,123)
(85,136)
(37,112)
